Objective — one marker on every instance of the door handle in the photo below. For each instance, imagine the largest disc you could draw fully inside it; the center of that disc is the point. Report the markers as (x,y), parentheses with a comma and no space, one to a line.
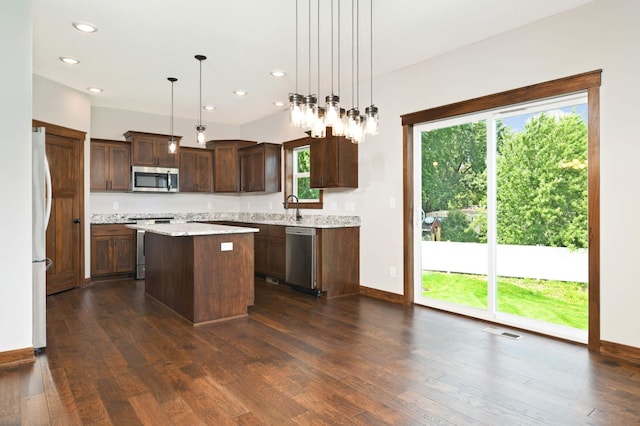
(76,220)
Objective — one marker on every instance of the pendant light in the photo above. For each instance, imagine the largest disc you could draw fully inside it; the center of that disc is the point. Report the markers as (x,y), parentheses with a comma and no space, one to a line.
(319,128)
(310,101)
(200,128)
(332,106)
(173,144)
(296,100)
(371,112)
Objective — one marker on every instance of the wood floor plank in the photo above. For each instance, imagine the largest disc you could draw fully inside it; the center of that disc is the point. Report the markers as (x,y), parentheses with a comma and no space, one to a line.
(116,356)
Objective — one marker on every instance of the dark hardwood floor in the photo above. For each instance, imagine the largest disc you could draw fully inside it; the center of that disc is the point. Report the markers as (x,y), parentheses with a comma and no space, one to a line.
(115,356)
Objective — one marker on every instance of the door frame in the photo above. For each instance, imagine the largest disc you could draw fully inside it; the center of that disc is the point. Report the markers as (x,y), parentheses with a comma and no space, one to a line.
(590,82)
(79,137)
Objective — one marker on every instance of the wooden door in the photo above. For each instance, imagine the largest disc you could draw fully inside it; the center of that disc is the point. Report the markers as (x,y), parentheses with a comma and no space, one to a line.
(99,167)
(124,247)
(120,167)
(204,167)
(65,233)
(188,171)
(101,255)
(144,151)
(226,168)
(165,158)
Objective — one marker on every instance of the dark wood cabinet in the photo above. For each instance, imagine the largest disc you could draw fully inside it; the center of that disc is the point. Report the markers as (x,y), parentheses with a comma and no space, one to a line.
(269,249)
(196,170)
(110,165)
(334,162)
(152,150)
(338,261)
(261,168)
(226,164)
(112,250)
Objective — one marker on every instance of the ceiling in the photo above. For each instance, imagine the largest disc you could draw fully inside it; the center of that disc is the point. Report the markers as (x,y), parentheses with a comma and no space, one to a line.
(139,43)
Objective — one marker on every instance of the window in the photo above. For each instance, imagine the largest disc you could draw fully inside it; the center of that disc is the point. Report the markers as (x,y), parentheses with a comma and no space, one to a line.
(302,177)
(297,166)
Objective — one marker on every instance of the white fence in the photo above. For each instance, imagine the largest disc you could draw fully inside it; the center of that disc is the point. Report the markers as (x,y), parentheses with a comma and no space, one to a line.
(550,263)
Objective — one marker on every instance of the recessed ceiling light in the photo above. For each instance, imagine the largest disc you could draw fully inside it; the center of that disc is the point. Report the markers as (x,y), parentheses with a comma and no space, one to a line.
(277,73)
(278,103)
(208,107)
(84,27)
(69,60)
(94,89)
(240,92)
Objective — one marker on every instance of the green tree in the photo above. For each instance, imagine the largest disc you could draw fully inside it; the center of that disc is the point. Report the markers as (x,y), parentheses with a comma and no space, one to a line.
(542,183)
(305,192)
(454,167)
(456,227)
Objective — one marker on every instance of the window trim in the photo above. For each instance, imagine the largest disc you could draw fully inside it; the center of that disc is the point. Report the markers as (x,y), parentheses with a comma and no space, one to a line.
(288,173)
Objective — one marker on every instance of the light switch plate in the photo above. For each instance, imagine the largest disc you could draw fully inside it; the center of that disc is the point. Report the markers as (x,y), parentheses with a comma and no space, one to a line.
(228,246)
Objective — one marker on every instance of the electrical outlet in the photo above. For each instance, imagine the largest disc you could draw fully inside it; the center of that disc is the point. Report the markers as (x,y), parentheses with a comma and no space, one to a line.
(392,203)
(270,205)
(209,206)
(116,206)
(392,271)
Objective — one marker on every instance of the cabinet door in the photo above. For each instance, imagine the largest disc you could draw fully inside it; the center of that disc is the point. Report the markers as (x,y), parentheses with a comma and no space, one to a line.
(324,162)
(252,169)
(226,178)
(277,258)
(124,253)
(188,171)
(204,168)
(261,248)
(101,255)
(99,166)
(164,157)
(144,151)
(120,167)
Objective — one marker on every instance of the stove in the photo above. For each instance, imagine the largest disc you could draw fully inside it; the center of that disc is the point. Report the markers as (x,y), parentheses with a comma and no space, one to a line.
(140,244)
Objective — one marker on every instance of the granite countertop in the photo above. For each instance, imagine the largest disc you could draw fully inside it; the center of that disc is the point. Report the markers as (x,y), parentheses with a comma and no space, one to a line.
(286,219)
(192,229)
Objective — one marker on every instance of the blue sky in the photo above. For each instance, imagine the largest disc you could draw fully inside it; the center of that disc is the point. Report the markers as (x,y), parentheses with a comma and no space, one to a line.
(517,122)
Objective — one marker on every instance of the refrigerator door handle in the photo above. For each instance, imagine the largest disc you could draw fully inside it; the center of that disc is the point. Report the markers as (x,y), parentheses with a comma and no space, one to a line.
(47,176)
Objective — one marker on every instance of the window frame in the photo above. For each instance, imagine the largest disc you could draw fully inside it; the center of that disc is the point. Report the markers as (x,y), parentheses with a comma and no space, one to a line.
(289,147)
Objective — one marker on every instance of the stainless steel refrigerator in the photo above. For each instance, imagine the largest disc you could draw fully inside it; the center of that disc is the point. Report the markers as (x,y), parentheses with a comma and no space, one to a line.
(41,210)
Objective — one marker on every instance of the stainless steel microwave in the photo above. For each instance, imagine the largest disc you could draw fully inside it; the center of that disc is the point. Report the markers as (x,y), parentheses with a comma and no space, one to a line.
(154,179)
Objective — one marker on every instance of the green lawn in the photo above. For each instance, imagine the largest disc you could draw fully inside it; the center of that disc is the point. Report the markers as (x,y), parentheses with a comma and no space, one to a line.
(558,302)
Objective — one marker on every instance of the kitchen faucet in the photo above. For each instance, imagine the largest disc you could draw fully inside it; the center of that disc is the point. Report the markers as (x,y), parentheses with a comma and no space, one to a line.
(286,205)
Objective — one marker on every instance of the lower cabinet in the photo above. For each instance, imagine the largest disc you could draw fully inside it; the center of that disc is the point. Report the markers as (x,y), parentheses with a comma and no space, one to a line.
(270,253)
(113,250)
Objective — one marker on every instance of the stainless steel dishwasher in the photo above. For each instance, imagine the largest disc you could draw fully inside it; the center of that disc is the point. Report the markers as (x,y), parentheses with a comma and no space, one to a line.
(301,258)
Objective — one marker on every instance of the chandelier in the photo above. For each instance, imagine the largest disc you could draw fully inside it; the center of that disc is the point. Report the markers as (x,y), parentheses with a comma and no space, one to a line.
(305,111)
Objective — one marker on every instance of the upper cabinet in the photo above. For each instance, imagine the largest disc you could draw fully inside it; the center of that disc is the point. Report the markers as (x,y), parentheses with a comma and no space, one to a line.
(110,165)
(152,150)
(226,164)
(260,168)
(334,162)
(196,170)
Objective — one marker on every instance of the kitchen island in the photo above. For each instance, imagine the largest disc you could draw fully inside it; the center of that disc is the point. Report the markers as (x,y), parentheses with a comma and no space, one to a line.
(204,272)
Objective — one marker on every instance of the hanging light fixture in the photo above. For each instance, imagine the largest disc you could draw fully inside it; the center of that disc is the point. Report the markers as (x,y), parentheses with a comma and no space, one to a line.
(296,100)
(200,128)
(310,101)
(173,144)
(371,112)
(319,128)
(305,112)
(332,106)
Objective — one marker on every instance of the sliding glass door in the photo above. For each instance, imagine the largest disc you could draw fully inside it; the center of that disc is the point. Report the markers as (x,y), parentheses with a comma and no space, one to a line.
(503,210)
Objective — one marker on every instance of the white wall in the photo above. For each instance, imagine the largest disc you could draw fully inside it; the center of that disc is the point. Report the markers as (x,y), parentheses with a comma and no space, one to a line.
(603,34)
(15,171)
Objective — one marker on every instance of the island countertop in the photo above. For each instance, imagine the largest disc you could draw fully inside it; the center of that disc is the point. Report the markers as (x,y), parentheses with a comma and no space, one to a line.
(192,229)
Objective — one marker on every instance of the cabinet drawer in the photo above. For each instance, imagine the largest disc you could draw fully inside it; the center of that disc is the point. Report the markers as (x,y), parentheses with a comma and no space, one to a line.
(111,229)
(276,231)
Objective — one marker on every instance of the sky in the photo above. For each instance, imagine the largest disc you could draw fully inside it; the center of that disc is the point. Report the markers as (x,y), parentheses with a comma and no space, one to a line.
(517,122)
